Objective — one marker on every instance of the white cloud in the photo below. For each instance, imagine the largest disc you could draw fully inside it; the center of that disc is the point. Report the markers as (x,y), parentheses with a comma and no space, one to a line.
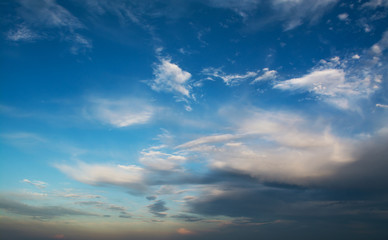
(376,3)
(267,75)
(343,16)
(292,13)
(208,139)
(296,12)
(119,113)
(335,83)
(276,146)
(169,77)
(38,184)
(80,43)
(242,8)
(323,82)
(158,160)
(22,33)
(48,13)
(356,56)
(44,16)
(231,79)
(381,45)
(381,105)
(188,108)
(79,195)
(130,176)
(24,136)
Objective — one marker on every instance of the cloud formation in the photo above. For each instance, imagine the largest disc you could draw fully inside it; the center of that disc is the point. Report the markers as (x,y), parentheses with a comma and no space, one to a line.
(22,33)
(119,112)
(275,146)
(292,13)
(267,75)
(229,79)
(37,20)
(44,212)
(336,83)
(382,45)
(157,160)
(158,209)
(169,77)
(48,13)
(130,176)
(38,184)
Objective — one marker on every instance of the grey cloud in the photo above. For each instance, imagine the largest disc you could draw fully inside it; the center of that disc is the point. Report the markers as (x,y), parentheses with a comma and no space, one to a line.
(151,198)
(107,206)
(116,208)
(45,212)
(368,172)
(187,218)
(158,208)
(356,192)
(89,203)
(237,202)
(307,207)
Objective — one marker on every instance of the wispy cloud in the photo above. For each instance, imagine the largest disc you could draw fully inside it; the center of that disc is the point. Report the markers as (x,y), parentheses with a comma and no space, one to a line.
(24,137)
(237,79)
(169,77)
(292,13)
(40,17)
(80,44)
(157,160)
(119,112)
(382,45)
(78,195)
(229,79)
(44,212)
(48,13)
(22,33)
(107,206)
(209,139)
(128,176)
(376,3)
(38,184)
(187,218)
(267,75)
(297,12)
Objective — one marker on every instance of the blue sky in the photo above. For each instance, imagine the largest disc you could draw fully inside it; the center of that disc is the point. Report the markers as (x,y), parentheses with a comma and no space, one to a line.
(193,119)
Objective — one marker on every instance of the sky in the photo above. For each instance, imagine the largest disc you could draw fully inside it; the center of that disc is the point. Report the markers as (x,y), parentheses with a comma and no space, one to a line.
(194,119)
